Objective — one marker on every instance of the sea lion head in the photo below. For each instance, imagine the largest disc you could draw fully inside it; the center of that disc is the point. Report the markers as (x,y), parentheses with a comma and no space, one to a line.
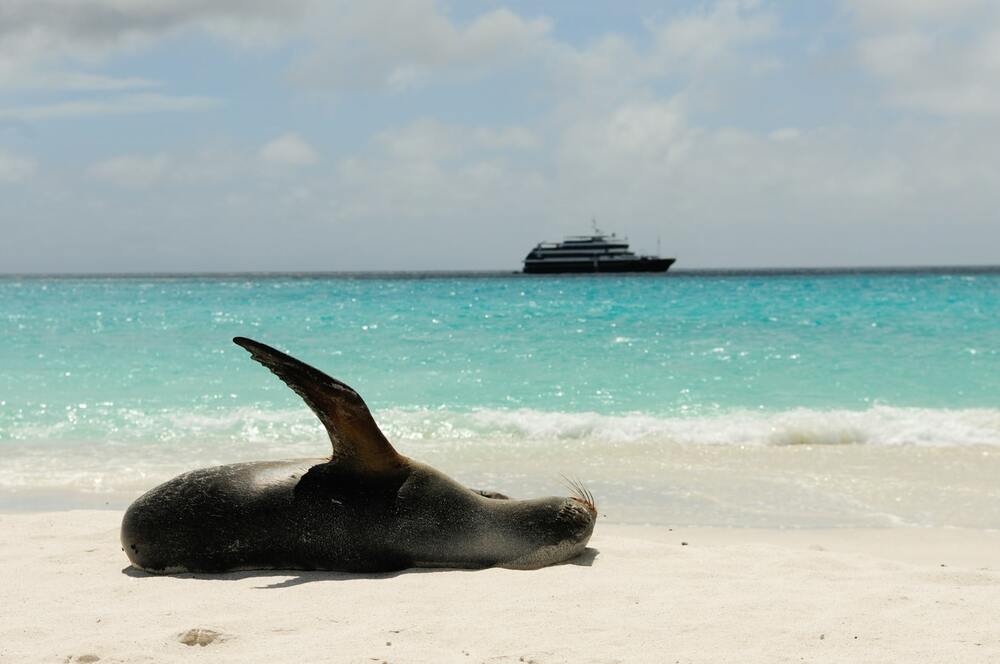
(443,523)
(412,512)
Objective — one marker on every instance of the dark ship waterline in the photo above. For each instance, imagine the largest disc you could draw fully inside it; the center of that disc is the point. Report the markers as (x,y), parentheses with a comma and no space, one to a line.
(591,253)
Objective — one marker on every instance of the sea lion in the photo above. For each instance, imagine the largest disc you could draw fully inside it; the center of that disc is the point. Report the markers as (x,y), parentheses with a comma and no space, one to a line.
(366,508)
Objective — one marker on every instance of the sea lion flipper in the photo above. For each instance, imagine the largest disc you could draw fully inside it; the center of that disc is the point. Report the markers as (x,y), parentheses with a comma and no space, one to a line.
(495,495)
(355,436)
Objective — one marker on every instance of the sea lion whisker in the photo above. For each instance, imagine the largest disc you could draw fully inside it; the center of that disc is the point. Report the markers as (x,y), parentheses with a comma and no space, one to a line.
(579,491)
(589,496)
(572,484)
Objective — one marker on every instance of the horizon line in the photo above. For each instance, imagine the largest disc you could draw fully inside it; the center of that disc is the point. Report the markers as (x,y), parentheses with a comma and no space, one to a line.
(705,271)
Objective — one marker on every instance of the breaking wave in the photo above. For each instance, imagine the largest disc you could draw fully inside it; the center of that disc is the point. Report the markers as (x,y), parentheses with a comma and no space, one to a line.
(296,429)
(103,450)
(879,466)
(881,425)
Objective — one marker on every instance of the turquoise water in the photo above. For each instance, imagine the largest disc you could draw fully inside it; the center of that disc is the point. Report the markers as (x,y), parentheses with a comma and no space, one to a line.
(110,383)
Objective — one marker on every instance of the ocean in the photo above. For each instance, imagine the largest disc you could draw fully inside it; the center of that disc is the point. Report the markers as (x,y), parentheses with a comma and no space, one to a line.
(787,399)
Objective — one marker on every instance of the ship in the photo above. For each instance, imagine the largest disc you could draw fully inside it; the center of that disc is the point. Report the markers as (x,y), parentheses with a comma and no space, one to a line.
(597,252)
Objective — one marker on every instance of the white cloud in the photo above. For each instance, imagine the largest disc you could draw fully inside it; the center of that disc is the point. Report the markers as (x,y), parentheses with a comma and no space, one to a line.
(636,140)
(788,197)
(420,140)
(132,171)
(379,44)
(15,168)
(428,139)
(705,37)
(895,54)
(902,12)
(126,104)
(382,44)
(71,81)
(205,168)
(644,128)
(617,128)
(695,52)
(444,175)
(718,197)
(505,138)
(941,58)
(50,43)
(288,150)
(51,29)
(785,134)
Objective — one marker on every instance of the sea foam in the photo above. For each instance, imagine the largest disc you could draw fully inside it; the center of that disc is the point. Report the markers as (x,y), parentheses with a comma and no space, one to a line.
(132,447)
(879,425)
(292,428)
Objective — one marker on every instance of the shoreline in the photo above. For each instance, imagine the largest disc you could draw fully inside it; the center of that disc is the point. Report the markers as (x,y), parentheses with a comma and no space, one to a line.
(729,594)
(636,482)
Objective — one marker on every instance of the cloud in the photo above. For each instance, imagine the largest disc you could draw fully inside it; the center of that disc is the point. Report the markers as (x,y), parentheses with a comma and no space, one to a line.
(445,174)
(288,150)
(127,104)
(649,128)
(97,28)
(429,139)
(618,149)
(72,81)
(346,46)
(420,140)
(395,46)
(15,168)
(785,134)
(205,168)
(705,37)
(382,45)
(132,171)
(50,43)
(826,196)
(719,196)
(505,138)
(696,51)
(938,58)
(668,131)
(905,12)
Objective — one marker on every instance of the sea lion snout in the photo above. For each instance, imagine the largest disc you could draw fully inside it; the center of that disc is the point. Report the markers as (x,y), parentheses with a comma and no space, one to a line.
(561,521)
(587,505)
(580,517)
(556,530)
(583,509)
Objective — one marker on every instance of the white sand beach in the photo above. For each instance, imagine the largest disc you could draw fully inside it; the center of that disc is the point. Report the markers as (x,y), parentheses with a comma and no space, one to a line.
(639,595)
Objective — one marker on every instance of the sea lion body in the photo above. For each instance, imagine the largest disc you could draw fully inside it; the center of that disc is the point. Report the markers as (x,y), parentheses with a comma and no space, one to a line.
(304,514)
(365,509)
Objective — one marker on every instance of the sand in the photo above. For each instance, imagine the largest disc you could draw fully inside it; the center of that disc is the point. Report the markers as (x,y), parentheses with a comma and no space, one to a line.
(639,595)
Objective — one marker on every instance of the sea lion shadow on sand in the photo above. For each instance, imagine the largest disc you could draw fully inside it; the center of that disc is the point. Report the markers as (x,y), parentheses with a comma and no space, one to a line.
(366,509)
(586,557)
(290,578)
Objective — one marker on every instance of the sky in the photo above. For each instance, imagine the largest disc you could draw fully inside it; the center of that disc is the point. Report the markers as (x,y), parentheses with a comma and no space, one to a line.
(250,135)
